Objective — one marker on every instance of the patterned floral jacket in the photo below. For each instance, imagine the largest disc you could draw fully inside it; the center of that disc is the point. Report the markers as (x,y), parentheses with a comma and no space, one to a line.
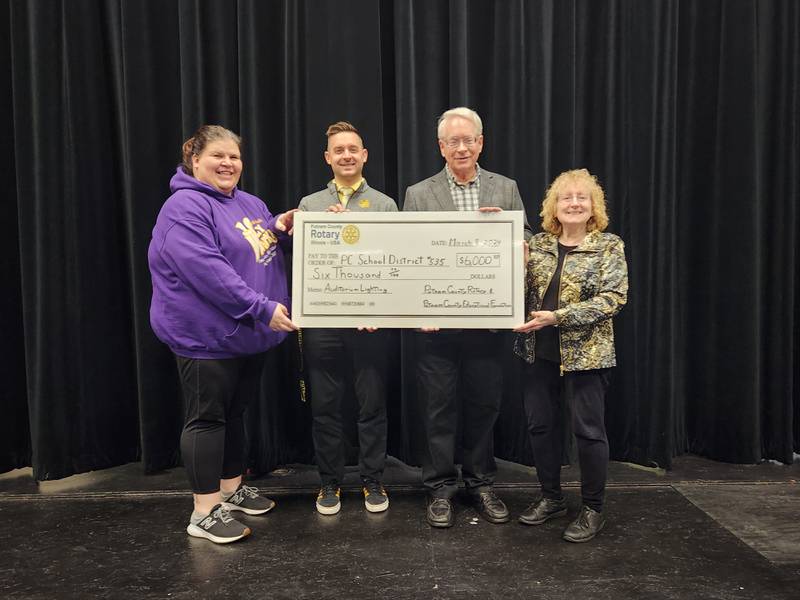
(594,288)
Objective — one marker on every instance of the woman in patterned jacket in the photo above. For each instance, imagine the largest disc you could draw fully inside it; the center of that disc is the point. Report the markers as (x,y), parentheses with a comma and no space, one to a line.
(577,280)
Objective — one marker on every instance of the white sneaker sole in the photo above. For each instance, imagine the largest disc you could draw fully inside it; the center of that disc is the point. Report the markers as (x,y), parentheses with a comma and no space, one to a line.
(329,510)
(249,511)
(199,532)
(376,508)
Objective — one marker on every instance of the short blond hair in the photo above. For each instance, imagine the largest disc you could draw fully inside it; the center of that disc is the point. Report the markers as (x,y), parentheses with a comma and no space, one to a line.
(599,218)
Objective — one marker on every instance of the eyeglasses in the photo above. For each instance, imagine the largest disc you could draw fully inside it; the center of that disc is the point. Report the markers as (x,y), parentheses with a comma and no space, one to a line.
(454,143)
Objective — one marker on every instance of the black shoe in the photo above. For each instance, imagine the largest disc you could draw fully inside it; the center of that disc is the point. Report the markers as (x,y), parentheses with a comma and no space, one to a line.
(588,524)
(440,512)
(543,510)
(328,499)
(375,497)
(490,507)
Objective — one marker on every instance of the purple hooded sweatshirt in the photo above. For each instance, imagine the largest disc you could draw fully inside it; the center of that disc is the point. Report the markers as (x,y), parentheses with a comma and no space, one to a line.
(218,272)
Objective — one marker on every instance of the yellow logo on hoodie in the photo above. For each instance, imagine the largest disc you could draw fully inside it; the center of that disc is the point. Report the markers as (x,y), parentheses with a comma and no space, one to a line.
(260,239)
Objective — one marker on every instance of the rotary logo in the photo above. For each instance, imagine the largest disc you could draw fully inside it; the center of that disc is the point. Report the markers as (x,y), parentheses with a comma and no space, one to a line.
(350,234)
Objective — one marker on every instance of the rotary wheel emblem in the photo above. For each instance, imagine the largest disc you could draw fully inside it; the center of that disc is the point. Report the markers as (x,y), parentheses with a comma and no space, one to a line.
(350,234)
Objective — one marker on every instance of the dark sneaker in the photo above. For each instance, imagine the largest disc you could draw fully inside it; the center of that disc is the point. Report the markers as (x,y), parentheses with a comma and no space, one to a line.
(543,510)
(219,527)
(247,500)
(375,497)
(588,524)
(440,512)
(328,499)
(490,507)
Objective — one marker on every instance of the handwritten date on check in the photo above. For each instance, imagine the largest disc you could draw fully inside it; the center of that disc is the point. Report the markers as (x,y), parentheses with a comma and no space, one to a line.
(408,269)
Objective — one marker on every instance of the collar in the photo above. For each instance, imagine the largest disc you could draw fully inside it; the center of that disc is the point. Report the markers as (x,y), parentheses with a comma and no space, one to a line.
(360,186)
(451,179)
(549,242)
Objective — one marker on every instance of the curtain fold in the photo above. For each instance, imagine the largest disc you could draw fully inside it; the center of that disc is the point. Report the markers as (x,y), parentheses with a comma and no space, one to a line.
(144,43)
(76,311)
(686,110)
(15,448)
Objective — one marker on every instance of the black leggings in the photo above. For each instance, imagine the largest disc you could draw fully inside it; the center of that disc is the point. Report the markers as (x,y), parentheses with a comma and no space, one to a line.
(216,392)
(584,394)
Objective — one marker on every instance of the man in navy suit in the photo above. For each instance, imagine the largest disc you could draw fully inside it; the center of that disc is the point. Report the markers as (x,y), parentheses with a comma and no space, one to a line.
(461,368)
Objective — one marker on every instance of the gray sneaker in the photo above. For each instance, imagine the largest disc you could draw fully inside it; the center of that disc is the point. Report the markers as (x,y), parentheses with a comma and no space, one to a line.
(219,527)
(247,500)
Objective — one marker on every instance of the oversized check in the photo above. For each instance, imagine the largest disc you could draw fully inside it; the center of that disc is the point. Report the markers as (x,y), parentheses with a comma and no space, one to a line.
(408,269)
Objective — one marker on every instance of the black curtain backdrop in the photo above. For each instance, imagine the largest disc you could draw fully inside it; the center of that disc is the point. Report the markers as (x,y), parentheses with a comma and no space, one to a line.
(687,110)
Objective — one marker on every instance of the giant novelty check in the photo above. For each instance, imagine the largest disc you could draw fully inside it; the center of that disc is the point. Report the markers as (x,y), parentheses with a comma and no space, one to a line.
(408,269)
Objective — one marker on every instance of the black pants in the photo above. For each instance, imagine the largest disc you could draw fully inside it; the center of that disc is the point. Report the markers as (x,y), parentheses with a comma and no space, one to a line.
(216,392)
(459,370)
(546,392)
(333,356)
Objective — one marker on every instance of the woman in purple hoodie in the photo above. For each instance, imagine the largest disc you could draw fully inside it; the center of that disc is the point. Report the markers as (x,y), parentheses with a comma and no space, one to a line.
(219,302)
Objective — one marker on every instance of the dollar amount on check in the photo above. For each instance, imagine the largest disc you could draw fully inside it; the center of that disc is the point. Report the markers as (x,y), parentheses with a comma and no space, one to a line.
(414,269)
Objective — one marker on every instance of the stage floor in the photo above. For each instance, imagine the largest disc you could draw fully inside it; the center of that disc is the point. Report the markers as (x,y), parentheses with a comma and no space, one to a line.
(702,530)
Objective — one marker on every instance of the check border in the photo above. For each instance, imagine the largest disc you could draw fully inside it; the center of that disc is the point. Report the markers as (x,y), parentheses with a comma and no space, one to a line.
(335,319)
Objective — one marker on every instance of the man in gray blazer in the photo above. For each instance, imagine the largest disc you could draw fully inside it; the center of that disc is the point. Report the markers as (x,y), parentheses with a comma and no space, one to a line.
(461,368)
(333,356)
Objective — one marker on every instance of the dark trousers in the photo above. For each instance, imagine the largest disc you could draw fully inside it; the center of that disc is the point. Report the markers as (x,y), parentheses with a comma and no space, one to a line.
(216,393)
(546,393)
(459,372)
(332,356)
